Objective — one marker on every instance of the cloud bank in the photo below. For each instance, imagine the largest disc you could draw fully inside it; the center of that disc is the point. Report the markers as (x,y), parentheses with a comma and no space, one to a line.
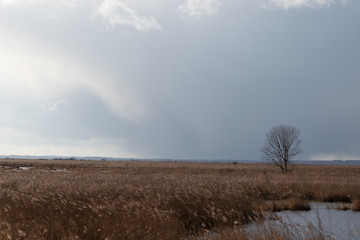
(206,89)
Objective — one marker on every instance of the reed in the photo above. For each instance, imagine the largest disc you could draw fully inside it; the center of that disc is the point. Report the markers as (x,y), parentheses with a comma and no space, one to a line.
(292,204)
(343,206)
(63,199)
(356,205)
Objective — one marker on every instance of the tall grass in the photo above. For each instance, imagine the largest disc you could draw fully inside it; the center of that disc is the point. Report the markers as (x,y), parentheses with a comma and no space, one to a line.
(356,205)
(293,204)
(153,200)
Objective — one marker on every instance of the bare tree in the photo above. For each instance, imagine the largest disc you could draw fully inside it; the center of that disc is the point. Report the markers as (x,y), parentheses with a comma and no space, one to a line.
(282,144)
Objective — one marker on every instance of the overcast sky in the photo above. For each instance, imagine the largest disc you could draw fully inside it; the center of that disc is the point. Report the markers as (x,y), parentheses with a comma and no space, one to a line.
(186,79)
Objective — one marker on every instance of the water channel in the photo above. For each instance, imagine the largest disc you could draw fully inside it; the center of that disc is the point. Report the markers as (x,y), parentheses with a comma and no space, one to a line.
(339,224)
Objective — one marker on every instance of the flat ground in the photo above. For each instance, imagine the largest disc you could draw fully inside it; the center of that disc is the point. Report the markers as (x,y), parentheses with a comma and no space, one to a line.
(63,199)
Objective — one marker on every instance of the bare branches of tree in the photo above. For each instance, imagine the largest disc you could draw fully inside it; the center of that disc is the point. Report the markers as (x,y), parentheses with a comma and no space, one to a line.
(282,144)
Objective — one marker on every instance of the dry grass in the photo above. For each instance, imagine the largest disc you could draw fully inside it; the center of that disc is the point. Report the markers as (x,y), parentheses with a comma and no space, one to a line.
(293,204)
(356,205)
(343,206)
(153,200)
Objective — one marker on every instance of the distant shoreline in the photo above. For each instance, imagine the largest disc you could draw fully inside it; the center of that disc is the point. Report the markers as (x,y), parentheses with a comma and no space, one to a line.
(306,162)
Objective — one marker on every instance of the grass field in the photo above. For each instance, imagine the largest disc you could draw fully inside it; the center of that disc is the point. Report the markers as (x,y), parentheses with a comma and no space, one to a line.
(61,199)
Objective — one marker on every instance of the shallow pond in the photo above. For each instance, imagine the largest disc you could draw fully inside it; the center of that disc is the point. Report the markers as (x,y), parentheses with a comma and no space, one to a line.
(342,225)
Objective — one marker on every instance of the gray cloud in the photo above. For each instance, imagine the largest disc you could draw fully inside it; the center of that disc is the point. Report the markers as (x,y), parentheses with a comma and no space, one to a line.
(197,89)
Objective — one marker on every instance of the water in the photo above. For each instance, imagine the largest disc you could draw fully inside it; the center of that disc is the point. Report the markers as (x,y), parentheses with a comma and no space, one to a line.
(342,225)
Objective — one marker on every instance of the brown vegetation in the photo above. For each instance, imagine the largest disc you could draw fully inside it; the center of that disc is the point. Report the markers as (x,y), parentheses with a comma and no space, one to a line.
(48,199)
(293,204)
(356,205)
(343,206)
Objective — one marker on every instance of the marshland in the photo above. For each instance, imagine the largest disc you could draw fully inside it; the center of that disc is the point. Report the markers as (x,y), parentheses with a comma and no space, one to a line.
(63,199)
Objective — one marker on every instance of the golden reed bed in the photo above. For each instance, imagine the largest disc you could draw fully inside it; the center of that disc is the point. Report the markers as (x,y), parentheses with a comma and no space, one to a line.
(61,199)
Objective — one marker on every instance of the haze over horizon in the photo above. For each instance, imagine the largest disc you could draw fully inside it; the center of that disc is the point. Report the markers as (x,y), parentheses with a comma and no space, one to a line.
(183,79)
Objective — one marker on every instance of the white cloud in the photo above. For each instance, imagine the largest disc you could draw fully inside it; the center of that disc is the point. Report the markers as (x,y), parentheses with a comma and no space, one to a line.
(199,8)
(69,3)
(43,74)
(118,13)
(114,12)
(7,3)
(289,4)
(55,106)
(51,17)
